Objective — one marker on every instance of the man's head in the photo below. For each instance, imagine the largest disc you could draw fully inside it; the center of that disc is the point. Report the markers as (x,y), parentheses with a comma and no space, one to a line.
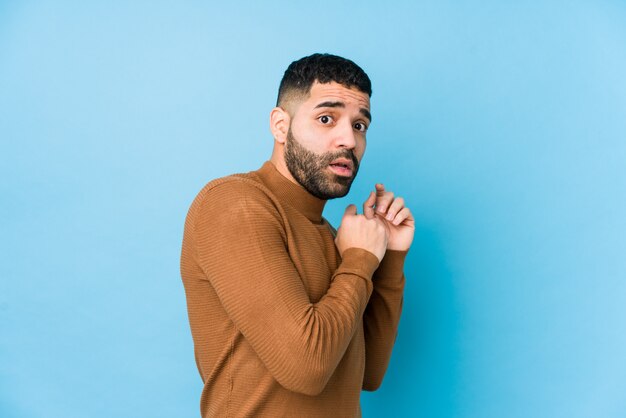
(320,122)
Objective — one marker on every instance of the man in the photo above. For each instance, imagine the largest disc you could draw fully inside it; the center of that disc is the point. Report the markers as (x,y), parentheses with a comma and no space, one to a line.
(288,317)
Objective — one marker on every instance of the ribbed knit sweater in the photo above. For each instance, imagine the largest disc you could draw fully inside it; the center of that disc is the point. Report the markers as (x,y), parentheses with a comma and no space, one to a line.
(282,325)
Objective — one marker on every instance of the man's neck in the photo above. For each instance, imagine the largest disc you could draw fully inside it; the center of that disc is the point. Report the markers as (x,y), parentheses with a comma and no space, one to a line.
(291,192)
(281,166)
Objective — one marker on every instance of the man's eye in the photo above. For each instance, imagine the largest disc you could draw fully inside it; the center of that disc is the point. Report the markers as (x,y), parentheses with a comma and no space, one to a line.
(325,119)
(360,127)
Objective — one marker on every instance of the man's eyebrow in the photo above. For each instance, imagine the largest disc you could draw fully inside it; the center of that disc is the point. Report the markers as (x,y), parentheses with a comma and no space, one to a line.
(366,113)
(363,111)
(331,104)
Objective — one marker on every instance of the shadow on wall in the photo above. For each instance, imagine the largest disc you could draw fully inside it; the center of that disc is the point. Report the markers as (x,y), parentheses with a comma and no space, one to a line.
(424,364)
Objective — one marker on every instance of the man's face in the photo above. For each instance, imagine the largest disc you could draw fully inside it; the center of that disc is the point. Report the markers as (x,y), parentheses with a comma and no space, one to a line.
(326,139)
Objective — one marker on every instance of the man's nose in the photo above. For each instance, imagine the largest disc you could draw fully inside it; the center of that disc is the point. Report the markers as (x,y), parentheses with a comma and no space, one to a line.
(345,136)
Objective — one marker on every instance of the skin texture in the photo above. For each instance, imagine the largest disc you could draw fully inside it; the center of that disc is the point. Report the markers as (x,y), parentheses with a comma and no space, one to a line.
(308,137)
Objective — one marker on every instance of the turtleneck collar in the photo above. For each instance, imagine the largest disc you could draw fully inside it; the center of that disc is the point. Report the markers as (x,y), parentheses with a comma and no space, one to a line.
(291,193)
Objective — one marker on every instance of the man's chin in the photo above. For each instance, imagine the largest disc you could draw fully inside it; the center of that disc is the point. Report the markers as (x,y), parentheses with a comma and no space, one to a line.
(343,181)
(342,189)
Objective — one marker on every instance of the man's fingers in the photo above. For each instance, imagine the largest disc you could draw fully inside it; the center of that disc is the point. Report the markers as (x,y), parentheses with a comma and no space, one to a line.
(368,206)
(404,215)
(395,207)
(383,200)
(350,210)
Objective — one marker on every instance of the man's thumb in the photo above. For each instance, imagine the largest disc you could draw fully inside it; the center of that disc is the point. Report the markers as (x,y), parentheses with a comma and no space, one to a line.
(350,210)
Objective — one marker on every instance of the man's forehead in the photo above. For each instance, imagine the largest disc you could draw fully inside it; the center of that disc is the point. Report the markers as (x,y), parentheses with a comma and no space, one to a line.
(321,92)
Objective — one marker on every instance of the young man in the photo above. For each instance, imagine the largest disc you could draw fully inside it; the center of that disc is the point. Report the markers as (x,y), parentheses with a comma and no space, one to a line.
(288,317)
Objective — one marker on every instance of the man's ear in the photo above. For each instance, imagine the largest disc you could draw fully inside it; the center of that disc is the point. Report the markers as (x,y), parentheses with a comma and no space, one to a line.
(279,124)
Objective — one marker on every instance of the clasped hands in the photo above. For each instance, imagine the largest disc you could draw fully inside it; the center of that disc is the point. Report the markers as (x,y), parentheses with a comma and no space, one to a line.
(386,224)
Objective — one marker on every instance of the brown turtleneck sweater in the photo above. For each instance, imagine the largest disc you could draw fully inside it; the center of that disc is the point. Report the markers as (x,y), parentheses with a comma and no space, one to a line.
(282,325)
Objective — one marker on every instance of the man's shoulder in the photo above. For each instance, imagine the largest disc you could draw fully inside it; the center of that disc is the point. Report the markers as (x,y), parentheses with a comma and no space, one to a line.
(238,183)
(234,189)
(238,199)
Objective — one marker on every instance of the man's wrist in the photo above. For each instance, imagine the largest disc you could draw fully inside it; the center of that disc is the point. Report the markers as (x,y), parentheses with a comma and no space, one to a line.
(392,264)
(359,261)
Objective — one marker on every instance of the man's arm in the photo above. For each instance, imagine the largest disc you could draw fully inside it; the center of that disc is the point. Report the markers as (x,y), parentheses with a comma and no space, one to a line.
(241,247)
(382,315)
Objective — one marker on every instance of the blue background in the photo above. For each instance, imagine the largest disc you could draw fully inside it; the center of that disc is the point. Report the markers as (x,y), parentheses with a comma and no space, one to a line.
(503,125)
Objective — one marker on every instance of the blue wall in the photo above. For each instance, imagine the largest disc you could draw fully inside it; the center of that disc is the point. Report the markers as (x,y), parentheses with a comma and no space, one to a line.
(503,125)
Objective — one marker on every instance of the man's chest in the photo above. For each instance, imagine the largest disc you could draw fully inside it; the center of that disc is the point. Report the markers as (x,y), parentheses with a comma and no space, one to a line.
(315,256)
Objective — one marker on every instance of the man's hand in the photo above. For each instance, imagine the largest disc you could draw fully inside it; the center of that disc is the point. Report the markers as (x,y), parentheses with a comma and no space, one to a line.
(396,217)
(357,231)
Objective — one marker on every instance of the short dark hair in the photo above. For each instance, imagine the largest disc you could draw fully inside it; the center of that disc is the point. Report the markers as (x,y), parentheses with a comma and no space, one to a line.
(324,68)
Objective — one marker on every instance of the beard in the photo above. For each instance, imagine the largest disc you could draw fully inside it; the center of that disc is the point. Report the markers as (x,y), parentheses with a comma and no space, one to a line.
(311,169)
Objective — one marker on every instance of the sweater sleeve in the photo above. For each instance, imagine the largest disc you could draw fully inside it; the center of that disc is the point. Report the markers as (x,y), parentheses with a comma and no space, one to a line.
(241,246)
(382,317)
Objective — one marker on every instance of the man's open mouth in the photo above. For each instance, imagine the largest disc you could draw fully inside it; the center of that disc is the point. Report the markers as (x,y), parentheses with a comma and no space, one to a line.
(342,167)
